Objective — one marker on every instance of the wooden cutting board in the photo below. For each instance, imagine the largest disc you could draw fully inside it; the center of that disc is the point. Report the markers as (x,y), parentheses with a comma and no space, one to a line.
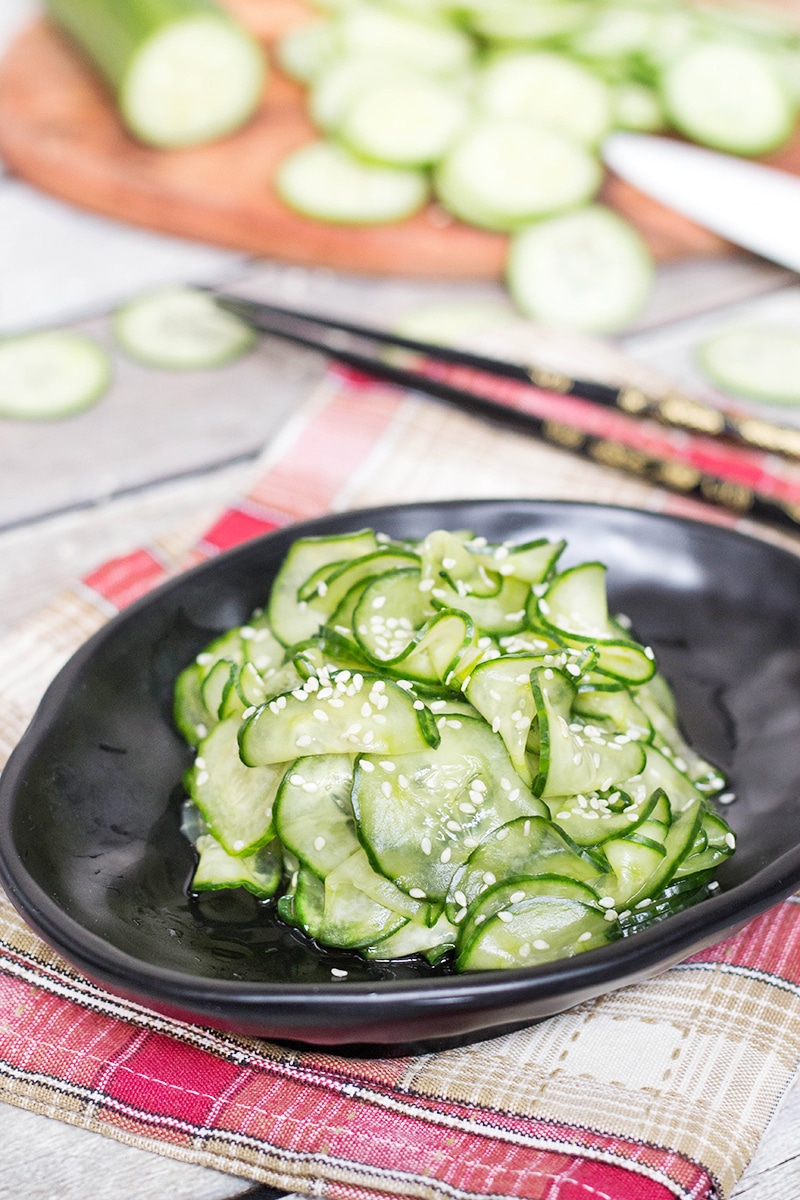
(59,130)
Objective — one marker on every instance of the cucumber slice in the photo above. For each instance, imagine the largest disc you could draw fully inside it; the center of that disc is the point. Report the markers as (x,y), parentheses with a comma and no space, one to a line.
(406,124)
(182,71)
(325,181)
(549,90)
(180,329)
(503,173)
(305,51)
(431,45)
(728,96)
(513,21)
(341,83)
(759,362)
(49,375)
(259,873)
(289,619)
(313,813)
(530,921)
(235,800)
(636,106)
(420,816)
(339,714)
(588,270)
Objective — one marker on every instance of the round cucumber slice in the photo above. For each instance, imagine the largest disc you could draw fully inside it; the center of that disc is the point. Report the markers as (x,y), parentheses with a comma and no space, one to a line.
(404,123)
(44,376)
(430,45)
(303,52)
(510,21)
(637,106)
(192,81)
(549,90)
(323,180)
(339,85)
(728,96)
(180,329)
(761,362)
(501,174)
(587,270)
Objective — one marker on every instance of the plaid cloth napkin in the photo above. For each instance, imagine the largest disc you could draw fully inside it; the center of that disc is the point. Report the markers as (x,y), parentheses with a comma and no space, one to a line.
(655,1091)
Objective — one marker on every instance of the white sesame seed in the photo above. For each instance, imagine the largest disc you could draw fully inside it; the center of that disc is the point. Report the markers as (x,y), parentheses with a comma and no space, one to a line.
(541,944)
(449,563)
(548,674)
(320,715)
(726,798)
(425,845)
(338,974)
(303,740)
(201,730)
(459,917)
(367,766)
(418,705)
(563,816)
(201,778)
(297,780)
(730,840)
(489,877)
(712,887)
(417,894)
(584,937)
(319,843)
(200,762)
(379,602)
(505,916)
(204,659)
(238,845)
(401,779)
(515,897)
(610,915)
(446,855)
(481,917)
(311,787)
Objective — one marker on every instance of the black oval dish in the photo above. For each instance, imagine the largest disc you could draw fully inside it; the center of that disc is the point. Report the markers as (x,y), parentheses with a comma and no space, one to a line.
(92,855)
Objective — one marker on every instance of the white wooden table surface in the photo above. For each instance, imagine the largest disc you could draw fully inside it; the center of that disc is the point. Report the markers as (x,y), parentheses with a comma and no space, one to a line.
(166,449)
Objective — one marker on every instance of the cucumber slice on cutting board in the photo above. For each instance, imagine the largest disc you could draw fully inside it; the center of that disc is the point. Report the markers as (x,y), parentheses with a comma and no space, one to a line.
(761,362)
(503,173)
(547,89)
(730,97)
(323,180)
(180,329)
(52,374)
(182,71)
(587,270)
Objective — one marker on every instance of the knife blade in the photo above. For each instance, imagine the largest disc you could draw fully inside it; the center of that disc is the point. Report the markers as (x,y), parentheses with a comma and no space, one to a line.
(754,206)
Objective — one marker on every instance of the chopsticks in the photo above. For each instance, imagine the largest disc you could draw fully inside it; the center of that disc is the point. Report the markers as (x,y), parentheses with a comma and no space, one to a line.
(694,449)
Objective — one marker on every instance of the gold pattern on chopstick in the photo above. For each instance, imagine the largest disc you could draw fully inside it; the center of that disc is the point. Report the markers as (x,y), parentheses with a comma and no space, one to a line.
(728,494)
(564,435)
(632,399)
(678,476)
(551,381)
(677,409)
(767,436)
(625,458)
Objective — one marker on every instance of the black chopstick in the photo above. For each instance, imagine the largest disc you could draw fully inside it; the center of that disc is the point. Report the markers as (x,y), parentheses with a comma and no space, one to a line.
(674,409)
(471,382)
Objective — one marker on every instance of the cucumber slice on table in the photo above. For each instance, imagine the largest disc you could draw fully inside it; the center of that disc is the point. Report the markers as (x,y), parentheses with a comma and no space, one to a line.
(182,71)
(181,329)
(51,374)
(323,180)
(761,362)
(587,270)
(502,173)
(729,96)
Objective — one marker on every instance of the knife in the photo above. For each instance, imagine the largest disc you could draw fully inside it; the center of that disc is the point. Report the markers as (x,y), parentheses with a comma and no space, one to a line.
(752,205)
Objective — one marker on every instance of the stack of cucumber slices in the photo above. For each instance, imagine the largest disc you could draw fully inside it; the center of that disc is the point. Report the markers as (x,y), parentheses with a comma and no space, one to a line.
(445,748)
(497,109)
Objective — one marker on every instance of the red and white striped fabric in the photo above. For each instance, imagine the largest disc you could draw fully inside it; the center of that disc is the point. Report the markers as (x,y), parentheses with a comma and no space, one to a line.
(658,1091)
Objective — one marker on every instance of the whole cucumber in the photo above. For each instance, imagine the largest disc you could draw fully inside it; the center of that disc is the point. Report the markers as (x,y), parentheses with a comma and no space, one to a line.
(182,71)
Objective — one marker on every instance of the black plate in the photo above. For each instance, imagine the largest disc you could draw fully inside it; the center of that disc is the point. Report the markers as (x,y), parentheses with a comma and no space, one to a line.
(91,853)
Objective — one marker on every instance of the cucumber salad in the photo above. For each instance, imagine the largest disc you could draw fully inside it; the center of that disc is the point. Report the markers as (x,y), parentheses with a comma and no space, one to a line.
(497,110)
(445,748)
